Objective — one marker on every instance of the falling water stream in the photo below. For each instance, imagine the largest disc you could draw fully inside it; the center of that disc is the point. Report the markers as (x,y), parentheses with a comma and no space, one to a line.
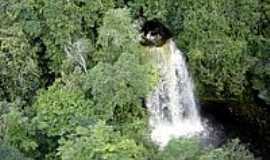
(172,105)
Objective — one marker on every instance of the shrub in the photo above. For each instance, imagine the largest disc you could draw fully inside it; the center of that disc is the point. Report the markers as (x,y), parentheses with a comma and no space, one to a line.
(181,149)
(233,150)
(191,149)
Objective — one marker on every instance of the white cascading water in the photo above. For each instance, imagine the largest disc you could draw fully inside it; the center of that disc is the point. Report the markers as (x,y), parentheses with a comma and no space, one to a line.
(172,106)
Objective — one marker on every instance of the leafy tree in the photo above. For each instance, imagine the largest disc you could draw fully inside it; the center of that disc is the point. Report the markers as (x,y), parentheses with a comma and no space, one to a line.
(117,35)
(99,142)
(18,131)
(120,79)
(57,26)
(117,91)
(66,23)
(111,91)
(216,36)
(59,110)
(19,70)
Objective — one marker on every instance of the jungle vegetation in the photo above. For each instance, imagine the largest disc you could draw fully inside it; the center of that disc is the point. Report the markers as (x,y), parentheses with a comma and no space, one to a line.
(73,74)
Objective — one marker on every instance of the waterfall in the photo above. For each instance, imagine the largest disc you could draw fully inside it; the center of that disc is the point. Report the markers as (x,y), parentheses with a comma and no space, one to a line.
(172,106)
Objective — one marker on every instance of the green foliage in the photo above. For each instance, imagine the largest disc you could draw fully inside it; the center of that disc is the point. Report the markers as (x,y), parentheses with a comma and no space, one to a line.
(219,38)
(118,86)
(261,81)
(152,8)
(191,149)
(18,132)
(181,149)
(67,22)
(230,151)
(58,24)
(236,151)
(216,154)
(261,47)
(10,153)
(264,19)
(111,91)
(117,91)
(19,71)
(59,110)
(99,142)
(119,81)
(116,36)
(216,35)
(95,107)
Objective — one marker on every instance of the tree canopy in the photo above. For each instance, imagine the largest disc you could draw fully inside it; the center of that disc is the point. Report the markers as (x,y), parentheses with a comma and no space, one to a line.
(73,75)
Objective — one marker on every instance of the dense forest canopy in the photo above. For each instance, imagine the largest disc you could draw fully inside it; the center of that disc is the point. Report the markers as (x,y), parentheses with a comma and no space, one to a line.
(73,74)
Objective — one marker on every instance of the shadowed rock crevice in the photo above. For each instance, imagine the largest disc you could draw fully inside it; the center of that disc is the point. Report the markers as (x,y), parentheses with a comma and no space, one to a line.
(154,33)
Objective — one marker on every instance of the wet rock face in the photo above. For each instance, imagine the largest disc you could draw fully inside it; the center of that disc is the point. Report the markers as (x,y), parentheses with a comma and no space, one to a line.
(154,33)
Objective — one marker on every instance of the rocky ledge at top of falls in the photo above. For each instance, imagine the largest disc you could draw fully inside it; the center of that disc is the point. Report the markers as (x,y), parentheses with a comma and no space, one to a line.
(154,33)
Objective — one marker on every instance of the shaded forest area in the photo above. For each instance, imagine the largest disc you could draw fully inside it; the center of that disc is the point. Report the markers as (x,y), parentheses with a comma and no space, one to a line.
(73,75)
